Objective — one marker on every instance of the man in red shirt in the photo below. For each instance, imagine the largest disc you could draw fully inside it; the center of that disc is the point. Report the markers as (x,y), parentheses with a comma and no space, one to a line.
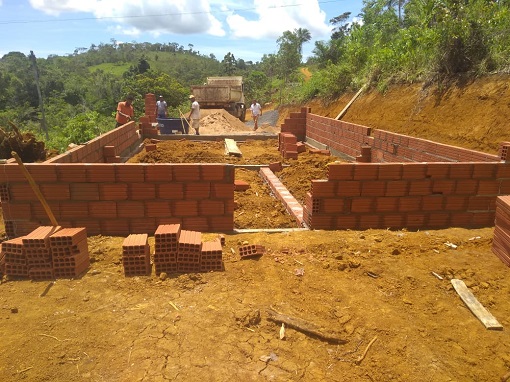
(125,111)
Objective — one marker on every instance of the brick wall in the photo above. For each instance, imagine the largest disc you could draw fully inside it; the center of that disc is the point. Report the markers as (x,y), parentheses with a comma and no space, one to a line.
(399,181)
(122,141)
(349,138)
(411,195)
(119,199)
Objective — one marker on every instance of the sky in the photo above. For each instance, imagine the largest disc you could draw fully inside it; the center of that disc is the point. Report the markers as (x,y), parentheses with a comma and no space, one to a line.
(247,29)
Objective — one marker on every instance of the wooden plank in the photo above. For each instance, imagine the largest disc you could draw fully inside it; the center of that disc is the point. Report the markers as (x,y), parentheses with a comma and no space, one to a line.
(341,114)
(474,305)
(231,148)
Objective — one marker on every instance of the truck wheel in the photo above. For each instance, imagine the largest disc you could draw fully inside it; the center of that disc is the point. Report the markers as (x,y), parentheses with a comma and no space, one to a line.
(243,115)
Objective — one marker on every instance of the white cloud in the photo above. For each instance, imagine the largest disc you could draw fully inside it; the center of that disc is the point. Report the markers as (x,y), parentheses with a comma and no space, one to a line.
(262,19)
(272,18)
(135,17)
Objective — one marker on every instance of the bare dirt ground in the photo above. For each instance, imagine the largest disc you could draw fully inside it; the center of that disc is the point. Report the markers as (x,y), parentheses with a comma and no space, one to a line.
(373,287)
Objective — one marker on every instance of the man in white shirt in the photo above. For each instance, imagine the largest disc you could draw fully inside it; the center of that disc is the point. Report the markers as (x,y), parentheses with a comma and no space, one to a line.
(161,108)
(256,112)
(194,114)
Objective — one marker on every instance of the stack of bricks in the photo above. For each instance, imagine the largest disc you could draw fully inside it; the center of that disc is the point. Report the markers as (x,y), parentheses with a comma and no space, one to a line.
(69,252)
(211,256)
(501,240)
(15,260)
(287,145)
(110,155)
(166,239)
(38,253)
(366,154)
(189,251)
(296,123)
(253,250)
(146,127)
(136,257)
(150,107)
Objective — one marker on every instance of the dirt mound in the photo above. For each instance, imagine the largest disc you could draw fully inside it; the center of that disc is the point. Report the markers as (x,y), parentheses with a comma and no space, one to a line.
(25,145)
(219,121)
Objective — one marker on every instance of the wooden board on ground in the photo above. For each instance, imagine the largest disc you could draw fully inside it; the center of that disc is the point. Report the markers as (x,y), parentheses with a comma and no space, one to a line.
(231,148)
(474,305)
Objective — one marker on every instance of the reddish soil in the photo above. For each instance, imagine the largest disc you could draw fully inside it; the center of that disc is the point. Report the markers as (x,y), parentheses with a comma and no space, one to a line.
(378,289)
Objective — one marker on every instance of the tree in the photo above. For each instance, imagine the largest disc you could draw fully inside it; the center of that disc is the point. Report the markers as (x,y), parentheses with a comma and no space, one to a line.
(229,64)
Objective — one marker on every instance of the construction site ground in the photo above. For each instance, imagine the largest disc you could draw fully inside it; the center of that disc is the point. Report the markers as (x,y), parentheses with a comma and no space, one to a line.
(375,305)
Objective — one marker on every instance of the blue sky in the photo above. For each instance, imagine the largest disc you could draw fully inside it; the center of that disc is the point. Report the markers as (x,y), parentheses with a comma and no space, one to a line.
(247,29)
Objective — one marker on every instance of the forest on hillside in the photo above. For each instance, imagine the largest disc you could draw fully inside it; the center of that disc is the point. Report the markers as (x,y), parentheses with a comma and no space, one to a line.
(71,99)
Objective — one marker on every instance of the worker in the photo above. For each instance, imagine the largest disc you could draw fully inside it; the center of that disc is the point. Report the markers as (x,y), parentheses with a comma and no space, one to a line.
(194,114)
(161,108)
(125,111)
(256,112)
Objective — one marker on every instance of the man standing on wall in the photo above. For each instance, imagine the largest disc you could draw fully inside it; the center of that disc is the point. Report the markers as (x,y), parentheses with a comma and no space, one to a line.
(256,112)
(125,111)
(194,114)
(161,108)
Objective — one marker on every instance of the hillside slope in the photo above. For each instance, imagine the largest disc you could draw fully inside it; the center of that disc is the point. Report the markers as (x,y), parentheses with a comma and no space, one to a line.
(473,114)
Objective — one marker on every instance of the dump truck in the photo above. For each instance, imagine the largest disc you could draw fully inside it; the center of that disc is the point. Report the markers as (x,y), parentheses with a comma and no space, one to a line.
(222,93)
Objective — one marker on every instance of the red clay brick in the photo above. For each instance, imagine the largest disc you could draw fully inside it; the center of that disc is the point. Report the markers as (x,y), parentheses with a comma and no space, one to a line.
(410,203)
(222,190)
(397,188)
(445,187)
(390,171)
(414,171)
(129,173)
(142,191)
(84,191)
(461,171)
(340,171)
(466,187)
(420,187)
(211,207)
(373,188)
(331,206)
(438,170)
(113,191)
(158,172)
(185,208)
(348,188)
(364,171)
(100,172)
(103,209)
(323,188)
(361,204)
(241,185)
(488,187)
(186,172)
(484,170)
(157,208)
(214,171)
(386,204)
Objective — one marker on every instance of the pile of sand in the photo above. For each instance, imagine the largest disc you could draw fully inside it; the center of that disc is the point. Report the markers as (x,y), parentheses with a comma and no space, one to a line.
(219,121)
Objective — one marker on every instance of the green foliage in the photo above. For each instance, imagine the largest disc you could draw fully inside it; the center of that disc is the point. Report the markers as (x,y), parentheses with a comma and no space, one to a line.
(78,130)
(257,86)
(327,83)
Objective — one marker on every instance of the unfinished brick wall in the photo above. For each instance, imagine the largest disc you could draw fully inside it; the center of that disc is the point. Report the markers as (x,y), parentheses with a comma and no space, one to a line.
(411,195)
(119,199)
(296,124)
(399,181)
(350,138)
(120,142)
